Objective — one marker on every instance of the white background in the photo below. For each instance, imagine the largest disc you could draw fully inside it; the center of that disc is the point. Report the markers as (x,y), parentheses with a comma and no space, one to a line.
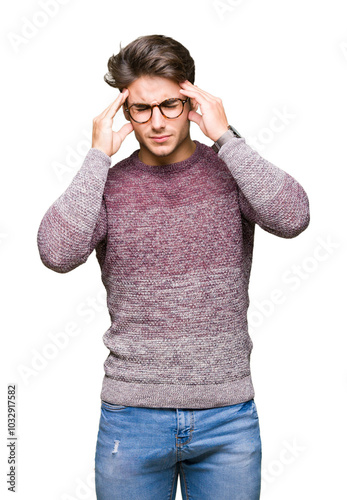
(265,59)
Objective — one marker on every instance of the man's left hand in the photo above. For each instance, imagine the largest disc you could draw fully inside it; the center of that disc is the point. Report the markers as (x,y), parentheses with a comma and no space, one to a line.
(212,121)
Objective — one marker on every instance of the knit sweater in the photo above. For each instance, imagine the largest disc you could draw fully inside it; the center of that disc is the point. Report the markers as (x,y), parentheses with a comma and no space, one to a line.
(174,244)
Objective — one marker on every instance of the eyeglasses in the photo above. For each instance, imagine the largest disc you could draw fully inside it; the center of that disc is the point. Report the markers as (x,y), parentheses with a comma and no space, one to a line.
(170,108)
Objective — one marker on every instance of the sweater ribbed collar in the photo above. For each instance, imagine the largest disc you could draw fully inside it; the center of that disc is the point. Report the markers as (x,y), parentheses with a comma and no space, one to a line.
(170,167)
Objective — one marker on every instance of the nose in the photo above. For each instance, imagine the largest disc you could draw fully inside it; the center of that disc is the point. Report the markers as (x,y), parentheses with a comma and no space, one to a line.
(158,120)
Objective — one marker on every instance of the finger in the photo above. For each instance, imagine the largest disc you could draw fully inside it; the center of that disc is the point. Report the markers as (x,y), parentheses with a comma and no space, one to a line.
(103,113)
(206,94)
(198,94)
(194,104)
(112,109)
(125,130)
(118,103)
(190,86)
(193,94)
(193,116)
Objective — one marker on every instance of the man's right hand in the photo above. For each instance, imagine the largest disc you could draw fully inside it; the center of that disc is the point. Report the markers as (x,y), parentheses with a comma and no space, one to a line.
(104,138)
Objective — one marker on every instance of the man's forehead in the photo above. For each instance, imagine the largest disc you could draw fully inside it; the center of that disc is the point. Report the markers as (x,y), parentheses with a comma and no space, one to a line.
(153,89)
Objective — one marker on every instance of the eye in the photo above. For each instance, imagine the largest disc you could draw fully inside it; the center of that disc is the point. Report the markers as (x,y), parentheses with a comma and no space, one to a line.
(140,107)
(171,103)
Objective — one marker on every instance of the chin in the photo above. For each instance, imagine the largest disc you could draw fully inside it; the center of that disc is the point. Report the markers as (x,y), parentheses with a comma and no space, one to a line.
(162,153)
(162,150)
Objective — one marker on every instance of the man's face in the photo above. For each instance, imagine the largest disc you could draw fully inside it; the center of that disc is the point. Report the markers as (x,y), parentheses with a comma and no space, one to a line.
(162,140)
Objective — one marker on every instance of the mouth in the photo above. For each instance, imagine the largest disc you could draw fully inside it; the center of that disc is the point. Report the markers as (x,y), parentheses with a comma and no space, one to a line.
(160,138)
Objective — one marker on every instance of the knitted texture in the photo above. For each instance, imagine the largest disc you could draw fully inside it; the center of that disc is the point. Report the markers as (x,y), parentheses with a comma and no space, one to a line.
(175,245)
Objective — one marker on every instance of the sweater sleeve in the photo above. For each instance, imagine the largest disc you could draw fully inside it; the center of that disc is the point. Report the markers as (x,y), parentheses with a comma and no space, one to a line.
(76,222)
(268,196)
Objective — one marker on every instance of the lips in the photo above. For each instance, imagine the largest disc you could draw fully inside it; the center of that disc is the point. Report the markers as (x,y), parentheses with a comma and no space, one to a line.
(160,138)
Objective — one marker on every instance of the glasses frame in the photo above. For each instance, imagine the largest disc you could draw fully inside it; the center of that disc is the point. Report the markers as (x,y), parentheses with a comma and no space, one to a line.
(183,101)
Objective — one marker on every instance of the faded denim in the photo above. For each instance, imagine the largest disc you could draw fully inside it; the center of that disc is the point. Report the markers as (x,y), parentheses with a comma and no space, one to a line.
(140,452)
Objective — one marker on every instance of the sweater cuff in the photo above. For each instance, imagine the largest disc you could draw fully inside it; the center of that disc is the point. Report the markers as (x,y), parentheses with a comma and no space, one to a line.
(234,153)
(99,161)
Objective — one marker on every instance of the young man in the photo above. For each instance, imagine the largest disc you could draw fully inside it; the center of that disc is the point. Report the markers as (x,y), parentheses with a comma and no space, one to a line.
(173,229)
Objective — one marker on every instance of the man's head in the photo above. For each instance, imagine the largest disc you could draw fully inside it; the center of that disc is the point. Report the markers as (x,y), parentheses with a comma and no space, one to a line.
(152,55)
(151,68)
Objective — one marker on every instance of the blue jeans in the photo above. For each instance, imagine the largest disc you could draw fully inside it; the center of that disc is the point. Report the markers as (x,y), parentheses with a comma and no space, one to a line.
(140,452)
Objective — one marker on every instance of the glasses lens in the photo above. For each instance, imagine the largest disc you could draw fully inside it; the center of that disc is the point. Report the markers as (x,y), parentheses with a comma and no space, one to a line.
(172,108)
(140,112)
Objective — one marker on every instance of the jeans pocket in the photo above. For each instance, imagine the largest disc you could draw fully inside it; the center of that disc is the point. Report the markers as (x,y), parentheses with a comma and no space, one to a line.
(111,407)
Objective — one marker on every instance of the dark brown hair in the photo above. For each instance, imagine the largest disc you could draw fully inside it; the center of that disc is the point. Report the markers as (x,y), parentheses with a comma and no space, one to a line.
(151,55)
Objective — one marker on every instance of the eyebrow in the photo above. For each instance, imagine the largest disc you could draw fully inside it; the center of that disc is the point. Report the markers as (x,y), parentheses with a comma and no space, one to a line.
(146,103)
